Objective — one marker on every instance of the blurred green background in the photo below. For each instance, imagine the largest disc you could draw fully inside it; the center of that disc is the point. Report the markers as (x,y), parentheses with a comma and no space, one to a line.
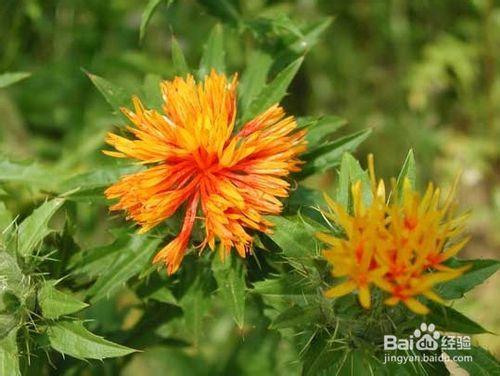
(422,74)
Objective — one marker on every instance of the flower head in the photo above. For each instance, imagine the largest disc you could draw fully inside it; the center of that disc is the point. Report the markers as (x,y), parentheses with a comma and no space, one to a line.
(200,164)
(398,246)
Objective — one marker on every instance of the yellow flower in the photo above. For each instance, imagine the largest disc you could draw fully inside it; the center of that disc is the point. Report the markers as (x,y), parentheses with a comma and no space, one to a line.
(228,179)
(398,246)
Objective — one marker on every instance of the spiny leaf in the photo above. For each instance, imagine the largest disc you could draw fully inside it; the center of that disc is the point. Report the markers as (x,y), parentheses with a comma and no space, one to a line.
(296,316)
(483,363)
(329,155)
(274,91)
(26,172)
(116,96)
(148,13)
(131,261)
(7,79)
(9,358)
(55,303)
(213,53)
(408,171)
(319,129)
(296,238)
(71,338)
(477,274)
(253,78)
(230,277)
(351,172)
(451,320)
(35,227)
(179,61)
(91,185)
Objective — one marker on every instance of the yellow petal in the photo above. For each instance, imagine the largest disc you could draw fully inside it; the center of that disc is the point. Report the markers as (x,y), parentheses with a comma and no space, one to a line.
(341,289)
(433,296)
(417,307)
(364,297)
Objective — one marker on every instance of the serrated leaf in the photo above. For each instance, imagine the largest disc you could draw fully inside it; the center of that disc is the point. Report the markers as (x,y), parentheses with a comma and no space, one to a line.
(91,185)
(71,338)
(273,92)
(35,228)
(195,304)
(7,79)
(320,355)
(253,78)
(319,129)
(116,96)
(130,262)
(329,155)
(213,53)
(148,13)
(350,173)
(9,358)
(296,238)
(451,320)
(26,172)
(95,261)
(479,271)
(296,316)
(408,171)
(483,363)
(230,277)
(55,303)
(178,60)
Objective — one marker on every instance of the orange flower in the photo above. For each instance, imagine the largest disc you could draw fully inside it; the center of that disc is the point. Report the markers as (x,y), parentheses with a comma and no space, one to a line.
(197,158)
(398,246)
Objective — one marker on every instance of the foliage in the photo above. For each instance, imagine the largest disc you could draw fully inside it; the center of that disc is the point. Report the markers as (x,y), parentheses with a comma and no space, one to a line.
(78,292)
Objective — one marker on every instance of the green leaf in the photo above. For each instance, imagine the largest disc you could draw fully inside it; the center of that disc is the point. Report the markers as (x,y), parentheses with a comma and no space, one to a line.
(55,303)
(7,79)
(409,171)
(319,129)
(35,228)
(9,358)
(178,60)
(26,172)
(477,274)
(71,338)
(326,156)
(310,37)
(195,304)
(350,173)
(116,96)
(291,288)
(90,185)
(128,263)
(453,321)
(226,10)
(296,316)
(321,355)
(148,13)
(253,78)
(230,277)
(273,92)
(93,262)
(152,93)
(5,221)
(296,238)
(482,364)
(213,53)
